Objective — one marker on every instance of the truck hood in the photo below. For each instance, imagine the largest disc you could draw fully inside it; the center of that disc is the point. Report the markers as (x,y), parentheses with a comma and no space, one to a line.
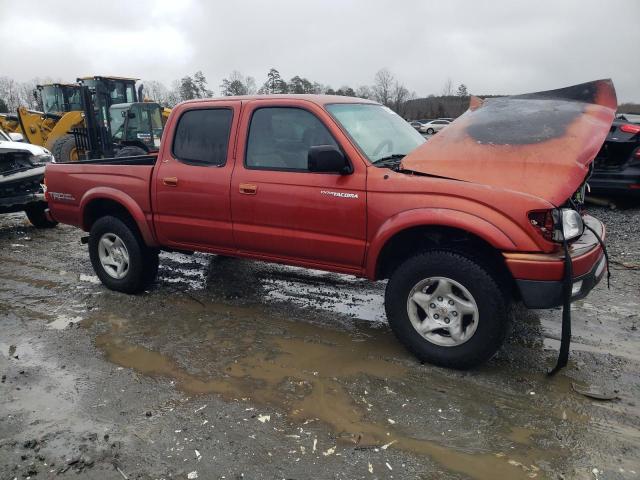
(539,143)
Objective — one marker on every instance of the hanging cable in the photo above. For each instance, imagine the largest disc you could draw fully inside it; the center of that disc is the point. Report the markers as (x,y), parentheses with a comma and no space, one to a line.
(565,339)
(604,250)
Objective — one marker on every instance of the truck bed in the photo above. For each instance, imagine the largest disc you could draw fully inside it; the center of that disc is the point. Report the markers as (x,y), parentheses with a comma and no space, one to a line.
(73,185)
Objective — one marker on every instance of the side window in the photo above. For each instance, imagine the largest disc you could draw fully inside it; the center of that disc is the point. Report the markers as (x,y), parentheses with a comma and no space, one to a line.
(280,138)
(202,137)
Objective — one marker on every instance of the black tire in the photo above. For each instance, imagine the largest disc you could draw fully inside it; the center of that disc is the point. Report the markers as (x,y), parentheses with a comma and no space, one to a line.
(64,149)
(492,319)
(143,261)
(131,151)
(430,131)
(35,214)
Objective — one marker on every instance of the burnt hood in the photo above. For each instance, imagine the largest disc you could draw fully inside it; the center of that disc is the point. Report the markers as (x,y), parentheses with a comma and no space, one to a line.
(538,143)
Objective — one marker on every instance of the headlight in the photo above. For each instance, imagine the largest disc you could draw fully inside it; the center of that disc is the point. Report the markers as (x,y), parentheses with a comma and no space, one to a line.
(570,222)
(43,158)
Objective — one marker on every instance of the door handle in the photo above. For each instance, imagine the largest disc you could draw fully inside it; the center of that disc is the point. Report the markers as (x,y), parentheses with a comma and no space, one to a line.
(248,188)
(170,181)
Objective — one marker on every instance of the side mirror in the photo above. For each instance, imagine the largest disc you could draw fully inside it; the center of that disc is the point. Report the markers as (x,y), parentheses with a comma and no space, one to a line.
(16,137)
(131,114)
(327,159)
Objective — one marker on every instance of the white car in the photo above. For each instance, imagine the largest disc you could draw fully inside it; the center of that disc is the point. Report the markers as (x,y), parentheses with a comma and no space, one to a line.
(21,176)
(433,126)
(15,142)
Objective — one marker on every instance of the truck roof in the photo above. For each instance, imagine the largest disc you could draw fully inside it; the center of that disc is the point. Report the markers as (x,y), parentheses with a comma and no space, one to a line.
(318,99)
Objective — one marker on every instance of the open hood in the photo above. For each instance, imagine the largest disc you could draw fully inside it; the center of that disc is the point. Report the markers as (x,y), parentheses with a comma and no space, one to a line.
(539,143)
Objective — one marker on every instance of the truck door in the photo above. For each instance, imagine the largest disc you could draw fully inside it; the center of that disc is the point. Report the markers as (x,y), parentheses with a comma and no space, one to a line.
(280,209)
(191,185)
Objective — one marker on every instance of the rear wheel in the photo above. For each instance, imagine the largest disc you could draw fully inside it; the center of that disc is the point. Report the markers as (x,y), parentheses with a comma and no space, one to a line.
(119,256)
(35,214)
(446,309)
(64,149)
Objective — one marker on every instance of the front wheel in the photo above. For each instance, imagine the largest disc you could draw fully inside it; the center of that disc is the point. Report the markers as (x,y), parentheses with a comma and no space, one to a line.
(430,131)
(119,256)
(446,309)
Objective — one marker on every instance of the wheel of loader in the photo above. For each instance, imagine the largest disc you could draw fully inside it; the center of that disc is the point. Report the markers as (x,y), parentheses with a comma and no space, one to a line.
(64,149)
(131,151)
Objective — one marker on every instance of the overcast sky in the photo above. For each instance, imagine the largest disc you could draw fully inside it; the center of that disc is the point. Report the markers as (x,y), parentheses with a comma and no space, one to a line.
(491,46)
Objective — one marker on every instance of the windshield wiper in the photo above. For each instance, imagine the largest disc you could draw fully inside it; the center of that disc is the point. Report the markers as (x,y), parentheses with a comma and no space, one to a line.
(389,159)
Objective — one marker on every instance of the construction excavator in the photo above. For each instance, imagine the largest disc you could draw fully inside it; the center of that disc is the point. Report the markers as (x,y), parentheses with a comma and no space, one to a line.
(63,112)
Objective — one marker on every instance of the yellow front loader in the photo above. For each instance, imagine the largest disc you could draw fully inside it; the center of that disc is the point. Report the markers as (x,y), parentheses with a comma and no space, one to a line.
(62,111)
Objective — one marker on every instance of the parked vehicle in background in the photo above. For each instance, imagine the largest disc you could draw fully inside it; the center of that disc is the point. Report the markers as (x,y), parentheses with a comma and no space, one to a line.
(616,169)
(433,126)
(21,178)
(416,124)
(629,117)
(449,119)
(459,227)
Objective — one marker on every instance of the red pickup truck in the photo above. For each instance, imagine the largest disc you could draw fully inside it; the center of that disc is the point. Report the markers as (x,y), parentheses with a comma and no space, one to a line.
(460,225)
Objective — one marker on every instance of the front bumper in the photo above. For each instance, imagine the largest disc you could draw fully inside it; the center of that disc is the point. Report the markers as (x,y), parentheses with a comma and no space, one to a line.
(548,294)
(538,276)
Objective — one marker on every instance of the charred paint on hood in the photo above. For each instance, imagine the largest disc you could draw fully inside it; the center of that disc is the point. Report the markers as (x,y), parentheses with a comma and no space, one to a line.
(539,143)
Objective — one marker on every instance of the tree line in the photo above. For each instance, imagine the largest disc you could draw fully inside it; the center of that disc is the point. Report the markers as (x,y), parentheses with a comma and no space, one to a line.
(386,88)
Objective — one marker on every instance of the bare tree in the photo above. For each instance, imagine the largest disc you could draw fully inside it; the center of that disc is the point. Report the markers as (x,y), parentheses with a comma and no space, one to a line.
(364,91)
(400,96)
(383,87)
(174,97)
(10,93)
(237,84)
(462,91)
(447,89)
(156,91)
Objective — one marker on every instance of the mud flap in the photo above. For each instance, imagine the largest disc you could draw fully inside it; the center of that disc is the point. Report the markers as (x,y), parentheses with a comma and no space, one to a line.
(565,339)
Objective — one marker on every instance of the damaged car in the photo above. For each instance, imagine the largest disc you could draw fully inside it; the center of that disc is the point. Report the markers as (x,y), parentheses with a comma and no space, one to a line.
(616,169)
(21,177)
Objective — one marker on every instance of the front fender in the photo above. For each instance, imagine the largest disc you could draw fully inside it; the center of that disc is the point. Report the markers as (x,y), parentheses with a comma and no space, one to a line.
(134,209)
(440,217)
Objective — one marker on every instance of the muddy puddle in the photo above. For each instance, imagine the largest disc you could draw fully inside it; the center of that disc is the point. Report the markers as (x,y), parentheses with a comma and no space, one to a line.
(308,372)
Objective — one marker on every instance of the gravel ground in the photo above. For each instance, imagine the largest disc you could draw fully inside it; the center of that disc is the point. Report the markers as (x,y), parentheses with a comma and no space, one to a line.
(235,369)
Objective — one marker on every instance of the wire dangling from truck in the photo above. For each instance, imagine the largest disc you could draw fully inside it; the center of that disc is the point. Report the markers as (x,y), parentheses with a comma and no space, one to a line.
(606,254)
(565,339)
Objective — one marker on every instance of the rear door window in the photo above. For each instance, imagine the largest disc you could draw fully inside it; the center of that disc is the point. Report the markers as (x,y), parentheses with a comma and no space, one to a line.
(202,137)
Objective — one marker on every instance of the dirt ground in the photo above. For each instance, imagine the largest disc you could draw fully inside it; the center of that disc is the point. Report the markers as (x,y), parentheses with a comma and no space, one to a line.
(235,369)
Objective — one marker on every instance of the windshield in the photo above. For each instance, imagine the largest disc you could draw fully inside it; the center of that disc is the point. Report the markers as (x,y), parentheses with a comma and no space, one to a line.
(51,99)
(117,117)
(378,130)
(60,98)
(72,99)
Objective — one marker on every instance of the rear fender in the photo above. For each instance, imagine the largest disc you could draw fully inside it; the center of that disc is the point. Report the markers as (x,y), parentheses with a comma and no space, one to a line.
(437,217)
(107,193)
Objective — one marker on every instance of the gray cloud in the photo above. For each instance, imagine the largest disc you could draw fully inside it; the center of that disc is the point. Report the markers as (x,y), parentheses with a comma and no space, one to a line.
(493,47)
